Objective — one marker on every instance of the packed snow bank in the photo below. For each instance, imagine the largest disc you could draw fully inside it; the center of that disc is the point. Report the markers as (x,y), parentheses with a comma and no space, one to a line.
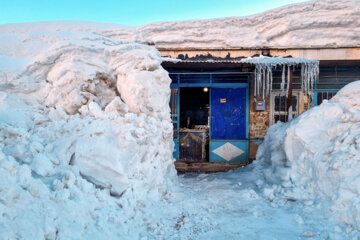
(81,117)
(318,155)
(319,23)
(311,24)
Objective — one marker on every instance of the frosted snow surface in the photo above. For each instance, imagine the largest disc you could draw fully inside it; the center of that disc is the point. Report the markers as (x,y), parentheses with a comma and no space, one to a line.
(82,117)
(317,156)
(319,23)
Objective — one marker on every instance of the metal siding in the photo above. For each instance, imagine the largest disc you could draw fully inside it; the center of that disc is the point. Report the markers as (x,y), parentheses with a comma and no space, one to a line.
(193,145)
(228,119)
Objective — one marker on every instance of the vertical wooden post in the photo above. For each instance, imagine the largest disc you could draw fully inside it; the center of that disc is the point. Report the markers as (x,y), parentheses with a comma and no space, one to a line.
(289,99)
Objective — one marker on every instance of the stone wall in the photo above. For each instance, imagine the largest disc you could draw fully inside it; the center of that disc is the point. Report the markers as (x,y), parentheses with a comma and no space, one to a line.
(258,120)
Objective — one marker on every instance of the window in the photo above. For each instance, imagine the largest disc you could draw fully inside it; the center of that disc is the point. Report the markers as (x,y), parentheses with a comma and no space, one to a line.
(278,106)
(321,96)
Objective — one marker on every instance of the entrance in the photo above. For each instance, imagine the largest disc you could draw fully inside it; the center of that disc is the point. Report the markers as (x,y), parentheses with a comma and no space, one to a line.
(210,113)
(228,125)
(194,124)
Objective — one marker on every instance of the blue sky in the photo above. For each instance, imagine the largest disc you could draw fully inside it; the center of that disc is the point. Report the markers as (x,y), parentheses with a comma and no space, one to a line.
(131,12)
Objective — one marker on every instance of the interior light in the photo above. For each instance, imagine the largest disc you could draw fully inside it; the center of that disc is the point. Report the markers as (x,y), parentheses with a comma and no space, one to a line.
(205,89)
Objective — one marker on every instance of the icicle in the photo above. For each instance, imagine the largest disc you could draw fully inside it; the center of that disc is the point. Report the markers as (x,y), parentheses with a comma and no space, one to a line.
(263,83)
(308,77)
(255,77)
(258,81)
(267,81)
(271,78)
(311,77)
(263,78)
(282,79)
(302,78)
(288,81)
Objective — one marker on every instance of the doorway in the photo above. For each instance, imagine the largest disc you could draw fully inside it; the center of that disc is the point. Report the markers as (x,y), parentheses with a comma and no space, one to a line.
(194,124)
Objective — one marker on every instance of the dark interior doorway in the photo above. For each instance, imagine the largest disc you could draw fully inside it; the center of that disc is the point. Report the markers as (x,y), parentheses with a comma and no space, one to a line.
(194,107)
(194,124)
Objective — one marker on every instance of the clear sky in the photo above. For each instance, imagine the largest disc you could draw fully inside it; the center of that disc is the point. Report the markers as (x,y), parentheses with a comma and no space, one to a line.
(130,12)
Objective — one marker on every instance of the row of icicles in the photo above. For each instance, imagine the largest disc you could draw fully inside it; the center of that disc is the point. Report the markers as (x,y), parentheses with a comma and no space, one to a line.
(264,78)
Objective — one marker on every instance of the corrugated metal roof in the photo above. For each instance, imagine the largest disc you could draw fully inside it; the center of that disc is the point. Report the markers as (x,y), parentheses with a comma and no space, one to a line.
(253,60)
(212,61)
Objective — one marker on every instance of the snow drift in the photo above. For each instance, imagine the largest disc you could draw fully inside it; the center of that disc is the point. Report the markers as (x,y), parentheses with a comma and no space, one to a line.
(310,24)
(319,23)
(82,116)
(317,155)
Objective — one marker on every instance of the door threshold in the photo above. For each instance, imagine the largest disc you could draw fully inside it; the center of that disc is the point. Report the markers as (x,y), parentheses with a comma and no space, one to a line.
(206,167)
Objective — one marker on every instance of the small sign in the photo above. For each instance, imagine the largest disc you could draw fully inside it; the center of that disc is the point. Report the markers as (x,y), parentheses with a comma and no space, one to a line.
(222,100)
(260,106)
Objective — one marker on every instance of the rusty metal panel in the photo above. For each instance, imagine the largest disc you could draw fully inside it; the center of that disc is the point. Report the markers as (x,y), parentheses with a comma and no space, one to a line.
(193,145)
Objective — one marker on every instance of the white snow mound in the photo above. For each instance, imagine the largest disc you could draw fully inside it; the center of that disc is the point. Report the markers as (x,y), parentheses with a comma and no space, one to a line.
(317,23)
(310,24)
(317,155)
(82,116)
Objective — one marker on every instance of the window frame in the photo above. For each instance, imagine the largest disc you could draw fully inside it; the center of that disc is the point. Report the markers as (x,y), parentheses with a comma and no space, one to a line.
(273,113)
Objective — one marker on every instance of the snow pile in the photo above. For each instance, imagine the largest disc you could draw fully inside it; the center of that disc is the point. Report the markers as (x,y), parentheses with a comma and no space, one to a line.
(319,23)
(310,24)
(264,78)
(82,117)
(317,155)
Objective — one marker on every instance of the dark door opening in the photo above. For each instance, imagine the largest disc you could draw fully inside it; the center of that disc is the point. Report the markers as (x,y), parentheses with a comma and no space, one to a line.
(194,125)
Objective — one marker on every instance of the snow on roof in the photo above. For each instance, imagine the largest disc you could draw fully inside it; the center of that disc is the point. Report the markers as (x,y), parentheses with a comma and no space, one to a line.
(318,23)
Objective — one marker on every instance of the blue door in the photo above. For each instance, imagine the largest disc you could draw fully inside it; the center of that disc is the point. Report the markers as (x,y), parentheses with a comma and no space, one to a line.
(228,113)
(228,125)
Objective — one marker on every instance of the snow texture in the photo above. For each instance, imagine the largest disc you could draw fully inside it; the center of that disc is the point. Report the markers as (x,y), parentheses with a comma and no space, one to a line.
(85,136)
(86,152)
(317,156)
(318,23)
(321,23)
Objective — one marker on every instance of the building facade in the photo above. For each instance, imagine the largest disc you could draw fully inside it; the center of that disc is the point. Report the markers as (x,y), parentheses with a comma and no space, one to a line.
(206,79)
